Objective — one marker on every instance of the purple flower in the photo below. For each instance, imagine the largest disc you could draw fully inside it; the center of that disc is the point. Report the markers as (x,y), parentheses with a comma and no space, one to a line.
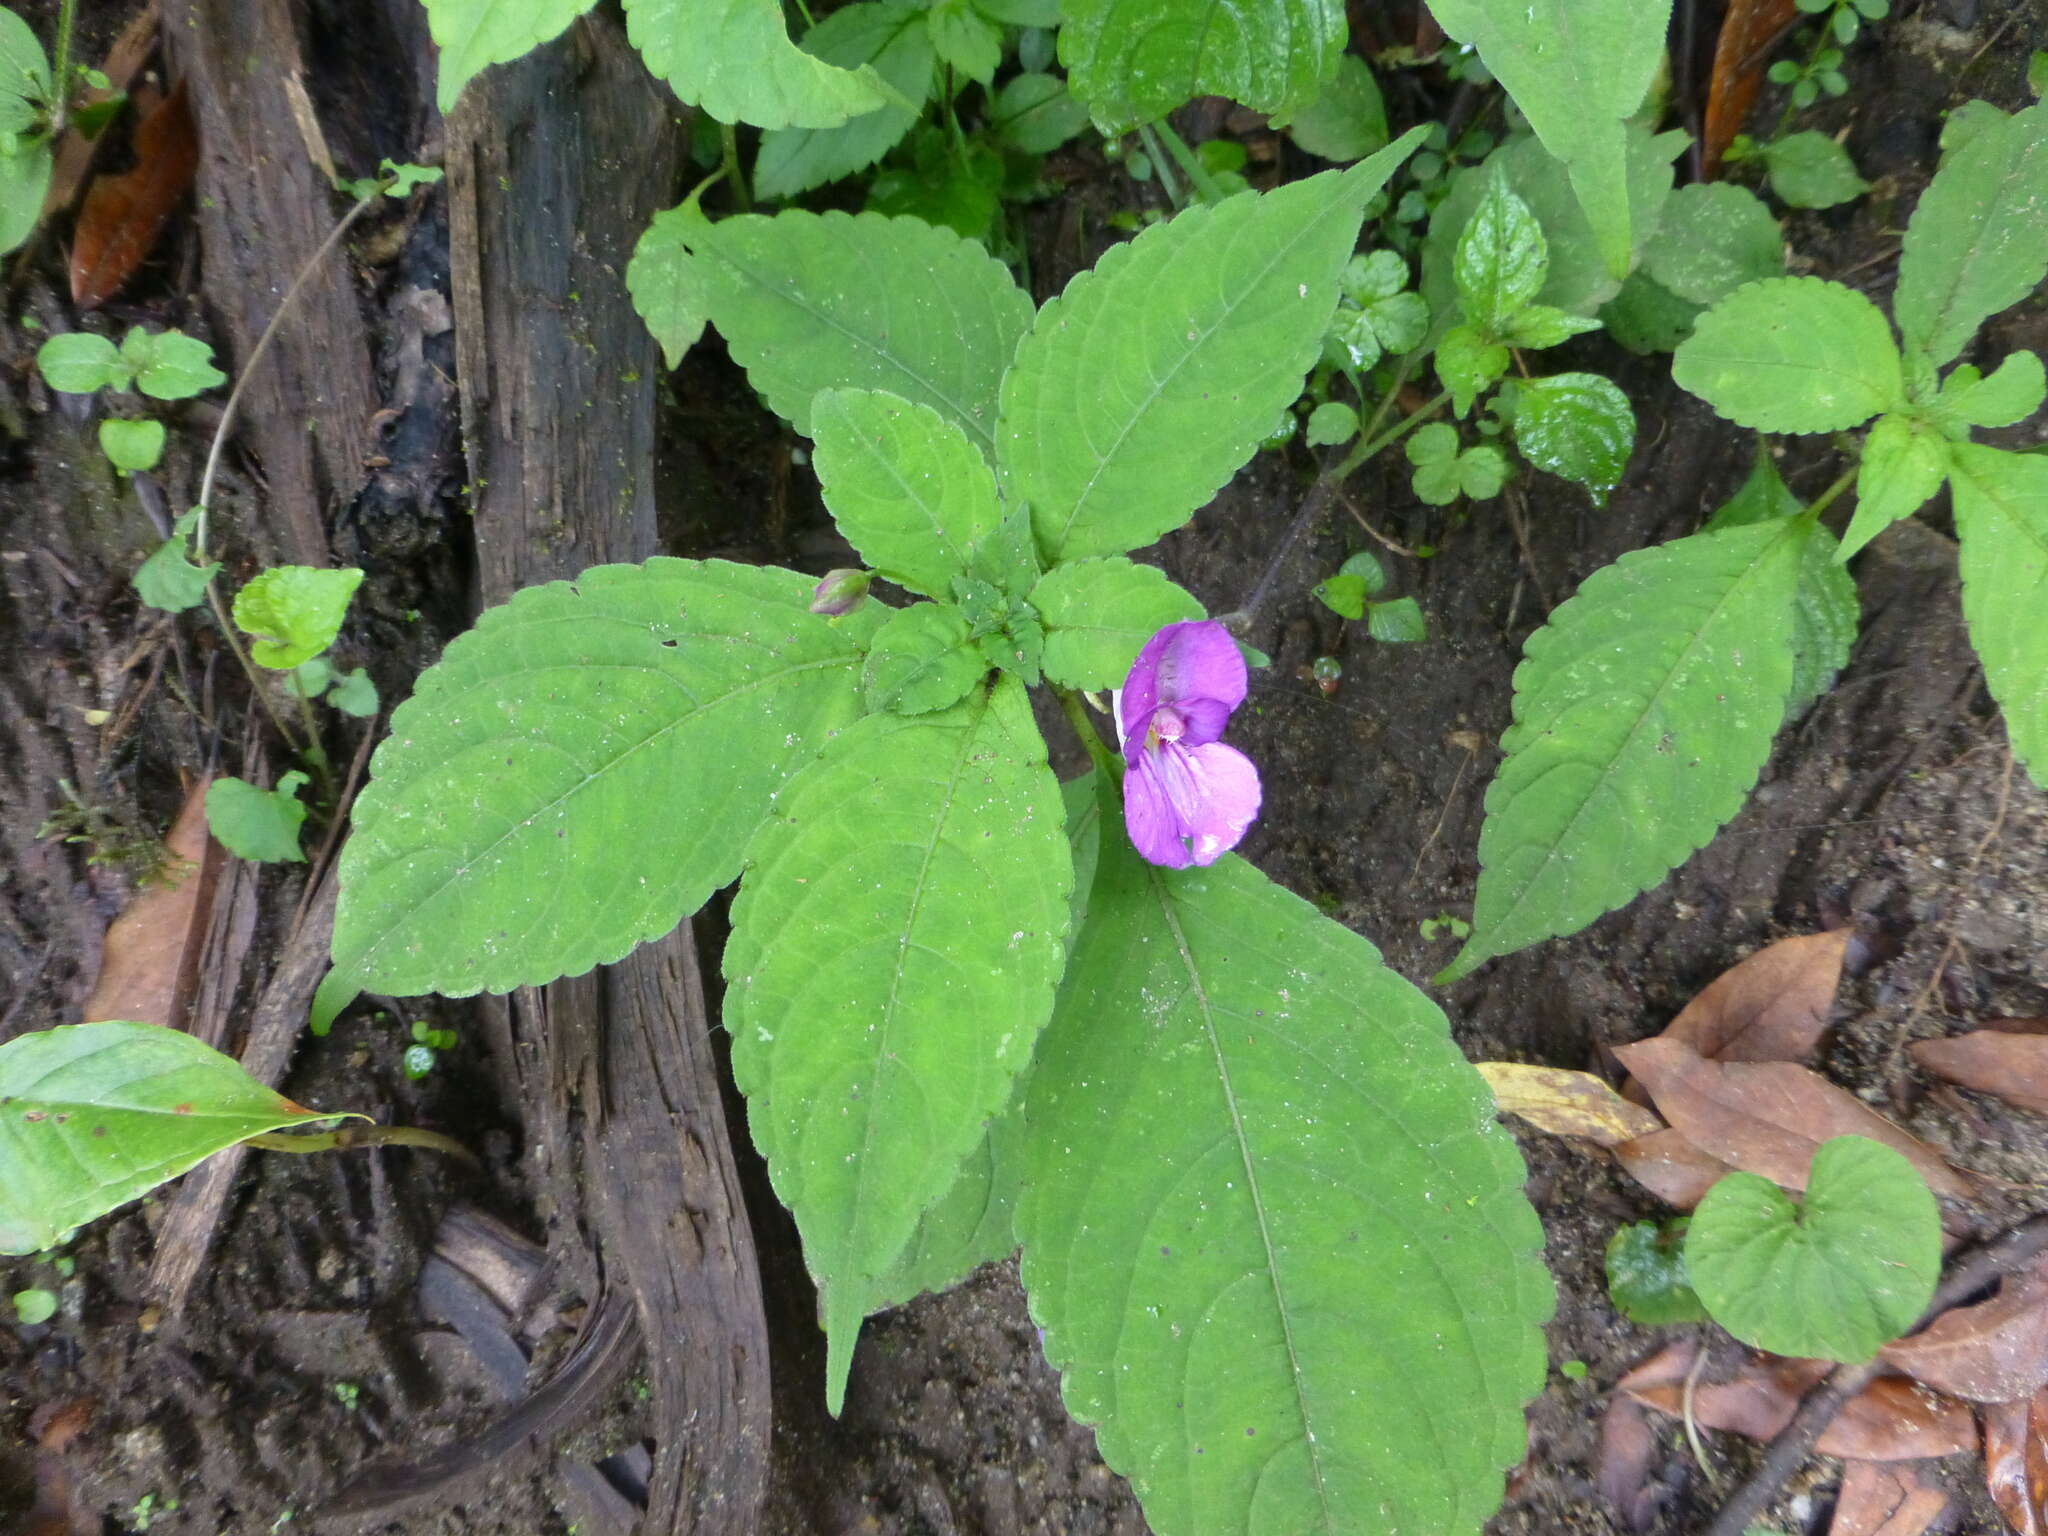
(1187,797)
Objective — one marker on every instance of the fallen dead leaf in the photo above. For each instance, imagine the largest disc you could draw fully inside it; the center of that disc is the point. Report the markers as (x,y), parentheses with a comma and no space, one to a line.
(1628,1446)
(1767,1117)
(1772,1006)
(1566,1103)
(2016,1462)
(1899,1498)
(1749,31)
(1670,1167)
(53,1427)
(1992,1352)
(2002,1062)
(122,215)
(151,967)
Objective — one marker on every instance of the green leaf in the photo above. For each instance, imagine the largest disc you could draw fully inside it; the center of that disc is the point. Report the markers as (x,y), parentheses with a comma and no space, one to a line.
(1036,114)
(1834,1277)
(24,67)
(78,362)
(504,838)
(1277,1243)
(96,1114)
(1031,14)
(472,35)
(905,486)
(24,186)
(734,59)
(2001,502)
(1577,425)
(1904,462)
(798,301)
(1538,326)
(1648,317)
(34,1305)
(972,1224)
(1343,595)
(168,580)
(923,659)
(1468,364)
(1646,1276)
(1501,260)
(293,612)
(1482,471)
(1133,61)
(170,365)
(1399,622)
(964,40)
(1576,68)
(1712,238)
(895,946)
(894,39)
(132,445)
(1810,170)
(261,825)
(1348,119)
(1331,423)
(355,694)
(2009,394)
(1098,615)
(1978,239)
(1644,710)
(1141,389)
(1793,354)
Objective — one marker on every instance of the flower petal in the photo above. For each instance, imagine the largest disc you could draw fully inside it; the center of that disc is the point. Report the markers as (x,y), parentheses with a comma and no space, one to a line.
(1227,783)
(1176,796)
(1149,815)
(1199,661)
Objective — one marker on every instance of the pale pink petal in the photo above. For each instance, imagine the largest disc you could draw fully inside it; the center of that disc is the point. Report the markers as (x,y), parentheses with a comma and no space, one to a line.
(1149,816)
(1228,799)
(1199,661)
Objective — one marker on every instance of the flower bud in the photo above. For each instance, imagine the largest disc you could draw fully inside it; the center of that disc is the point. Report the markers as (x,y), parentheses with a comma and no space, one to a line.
(840,592)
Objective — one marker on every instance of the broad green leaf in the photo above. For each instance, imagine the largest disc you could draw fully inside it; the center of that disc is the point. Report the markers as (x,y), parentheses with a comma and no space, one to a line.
(1133,61)
(1577,425)
(894,39)
(1331,423)
(24,185)
(24,67)
(1837,1275)
(78,363)
(1032,14)
(580,771)
(1468,364)
(293,612)
(1576,68)
(1644,709)
(1348,119)
(472,35)
(969,43)
(1141,389)
(734,59)
(2001,502)
(1712,238)
(1277,1243)
(168,580)
(261,825)
(1397,622)
(1036,114)
(132,445)
(1538,326)
(1810,170)
(905,486)
(1500,261)
(169,365)
(1648,317)
(1904,462)
(1646,1275)
(895,946)
(1978,239)
(2009,394)
(973,1223)
(1098,615)
(92,1115)
(923,658)
(1793,354)
(801,301)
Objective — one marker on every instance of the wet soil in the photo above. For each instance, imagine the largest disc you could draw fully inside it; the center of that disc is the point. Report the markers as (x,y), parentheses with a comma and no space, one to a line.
(303,1357)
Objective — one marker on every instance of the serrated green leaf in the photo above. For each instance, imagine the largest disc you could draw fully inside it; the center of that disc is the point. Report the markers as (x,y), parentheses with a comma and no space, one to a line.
(1098,615)
(1647,317)
(24,187)
(1036,114)
(1374,276)
(1644,710)
(132,445)
(2001,502)
(1468,364)
(1501,259)
(1810,170)
(895,946)
(504,838)
(1133,61)
(894,39)
(168,580)
(2009,394)
(1978,239)
(93,1115)
(905,486)
(1348,118)
(1538,326)
(1576,68)
(1277,1243)
(1834,1277)
(797,301)
(1793,354)
(170,365)
(923,658)
(1712,238)
(78,363)
(261,825)
(1646,1275)
(293,612)
(1904,462)
(972,45)
(734,59)
(972,1224)
(472,35)
(1331,423)
(1577,425)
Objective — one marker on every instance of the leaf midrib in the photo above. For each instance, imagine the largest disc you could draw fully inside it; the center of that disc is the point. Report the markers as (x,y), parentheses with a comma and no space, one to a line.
(2016,168)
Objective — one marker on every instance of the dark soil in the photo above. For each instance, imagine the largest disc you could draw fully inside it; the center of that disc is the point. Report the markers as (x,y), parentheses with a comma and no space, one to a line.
(303,1356)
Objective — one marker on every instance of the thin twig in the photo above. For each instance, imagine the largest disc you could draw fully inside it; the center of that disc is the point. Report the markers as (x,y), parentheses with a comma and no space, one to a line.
(1691,1421)
(1386,540)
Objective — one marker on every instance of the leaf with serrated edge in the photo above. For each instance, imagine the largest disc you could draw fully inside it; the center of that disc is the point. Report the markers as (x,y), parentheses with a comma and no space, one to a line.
(1578,426)
(1903,464)
(895,40)
(972,1224)
(1712,238)
(93,1115)
(1792,354)
(895,946)
(1276,1240)
(798,303)
(1134,61)
(922,659)
(580,771)
(472,35)
(2001,502)
(1098,615)
(1142,388)
(734,59)
(1644,709)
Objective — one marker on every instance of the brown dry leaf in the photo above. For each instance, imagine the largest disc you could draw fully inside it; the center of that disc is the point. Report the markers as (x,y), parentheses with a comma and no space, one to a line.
(1670,1167)
(1565,1103)
(1771,1007)
(1628,1447)
(123,63)
(152,951)
(1889,1420)
(124,214)
(2016,1463)
(1899,1499)
(1767,1117)
(2012,1066)
(1749,31)
(1993,1352)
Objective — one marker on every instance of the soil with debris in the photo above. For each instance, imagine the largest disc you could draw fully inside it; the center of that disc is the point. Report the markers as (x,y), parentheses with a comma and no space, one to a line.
(361,1314)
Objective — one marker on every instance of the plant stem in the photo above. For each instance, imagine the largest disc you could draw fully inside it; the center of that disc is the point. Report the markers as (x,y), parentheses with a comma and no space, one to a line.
(1842,483)
(60,109)
(1105,760)
(1160,166)
(365,1136)
(1368,446)
(1198,174)
(729,159)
